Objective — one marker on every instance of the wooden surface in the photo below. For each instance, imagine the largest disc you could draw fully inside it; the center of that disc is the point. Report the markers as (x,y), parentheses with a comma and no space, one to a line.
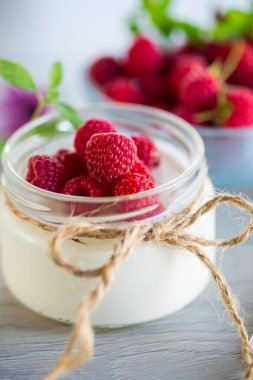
(197,342)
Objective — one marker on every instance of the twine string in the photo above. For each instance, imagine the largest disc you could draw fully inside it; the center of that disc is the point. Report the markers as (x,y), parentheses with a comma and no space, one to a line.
(83,331)
(171,232)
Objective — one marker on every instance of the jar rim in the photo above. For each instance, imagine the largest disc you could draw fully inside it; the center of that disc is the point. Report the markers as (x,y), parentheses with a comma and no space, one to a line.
(197,160)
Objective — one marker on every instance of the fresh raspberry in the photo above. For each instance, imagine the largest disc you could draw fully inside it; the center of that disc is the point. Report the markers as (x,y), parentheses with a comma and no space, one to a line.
(182,66)
(144,57)
(241,114)
(146,150)
(214,50)
(243,74)
(176,54)
(125,90)
(140,168)
(84,186)
(46,172)
(189,115)
(105,69)
(133,183)
(199,91)
(73,164)
(90,128)
(155,88)
(109,156)
(185,113)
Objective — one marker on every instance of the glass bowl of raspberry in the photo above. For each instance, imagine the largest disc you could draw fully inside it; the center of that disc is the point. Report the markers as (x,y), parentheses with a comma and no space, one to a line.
(209,85)
(126,164)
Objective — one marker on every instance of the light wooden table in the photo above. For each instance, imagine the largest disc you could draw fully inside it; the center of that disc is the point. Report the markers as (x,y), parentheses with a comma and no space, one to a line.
(197,342)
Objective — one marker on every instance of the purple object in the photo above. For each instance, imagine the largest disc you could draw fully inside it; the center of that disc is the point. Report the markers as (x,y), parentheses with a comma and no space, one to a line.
(16,108)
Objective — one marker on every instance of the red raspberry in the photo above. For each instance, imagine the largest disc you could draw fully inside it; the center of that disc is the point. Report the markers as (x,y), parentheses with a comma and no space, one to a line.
(183,65)
(73,164)
(125,90)
(105,69)
(146,150)
(133,183)
(199,91)
(155,88)
(241,115)
(189,115)
(109,156)
(144,57)
(214,50)
(90,128)
(84,186)
(140,168)
(185,113)
(46,172)
(243,74)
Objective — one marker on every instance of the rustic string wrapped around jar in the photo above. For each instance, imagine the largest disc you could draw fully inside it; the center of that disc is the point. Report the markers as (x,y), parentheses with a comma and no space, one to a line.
(170,231)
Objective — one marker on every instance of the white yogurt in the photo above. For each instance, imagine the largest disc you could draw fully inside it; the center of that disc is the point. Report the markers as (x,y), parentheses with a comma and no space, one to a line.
(155,281)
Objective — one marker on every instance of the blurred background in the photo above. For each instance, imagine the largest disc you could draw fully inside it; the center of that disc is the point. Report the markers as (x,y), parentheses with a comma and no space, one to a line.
(36,33)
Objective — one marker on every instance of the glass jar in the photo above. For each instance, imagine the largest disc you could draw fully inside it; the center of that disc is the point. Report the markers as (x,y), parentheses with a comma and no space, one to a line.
(156,280)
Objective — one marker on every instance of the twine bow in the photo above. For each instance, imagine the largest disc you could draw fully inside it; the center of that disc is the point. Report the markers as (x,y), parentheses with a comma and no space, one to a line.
(171,231)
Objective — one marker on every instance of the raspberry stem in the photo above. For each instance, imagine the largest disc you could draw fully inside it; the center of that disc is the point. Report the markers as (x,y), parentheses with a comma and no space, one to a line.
(233,59)
(40,106)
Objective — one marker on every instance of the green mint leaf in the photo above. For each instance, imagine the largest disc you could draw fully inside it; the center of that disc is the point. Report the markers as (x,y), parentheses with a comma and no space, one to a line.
(49,129)
(161,17)
(16,75)
(69,113)
(233,24)
(155,5)
(55,80)
(51,95)
(56,75)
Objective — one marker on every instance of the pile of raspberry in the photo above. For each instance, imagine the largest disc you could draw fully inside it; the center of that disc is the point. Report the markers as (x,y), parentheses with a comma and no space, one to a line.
(104,163)
(209,84)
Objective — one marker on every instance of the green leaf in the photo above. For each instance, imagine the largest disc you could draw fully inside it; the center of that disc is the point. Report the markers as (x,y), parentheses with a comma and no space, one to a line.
(232,25)
(55,81)
(162,19)
(69,113)
(56,75)
(51,95)
(155,5)
(49,129)
(16,75)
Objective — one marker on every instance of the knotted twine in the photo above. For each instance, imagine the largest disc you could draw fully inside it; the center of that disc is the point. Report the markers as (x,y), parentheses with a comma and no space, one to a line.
(172,232)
